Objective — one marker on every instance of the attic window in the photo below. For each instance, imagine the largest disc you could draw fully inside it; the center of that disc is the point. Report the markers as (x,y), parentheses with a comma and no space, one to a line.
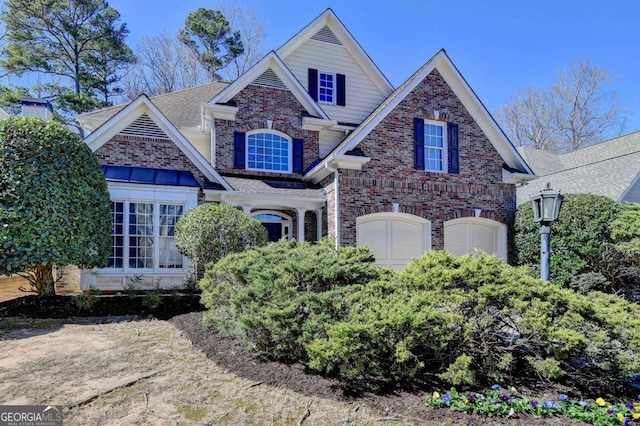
(145,127)
(269,79)
(327,36)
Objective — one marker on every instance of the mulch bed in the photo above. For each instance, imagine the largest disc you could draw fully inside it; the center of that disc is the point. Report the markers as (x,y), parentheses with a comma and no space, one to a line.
(229,354)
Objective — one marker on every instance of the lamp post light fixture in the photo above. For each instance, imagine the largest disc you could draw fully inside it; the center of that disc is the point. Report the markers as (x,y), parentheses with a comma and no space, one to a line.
(546,208)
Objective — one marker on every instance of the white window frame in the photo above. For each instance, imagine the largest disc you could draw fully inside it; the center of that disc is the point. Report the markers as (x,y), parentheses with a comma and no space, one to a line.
(156,195)
(279,134)
(334,91)
(445,146)
(285,220)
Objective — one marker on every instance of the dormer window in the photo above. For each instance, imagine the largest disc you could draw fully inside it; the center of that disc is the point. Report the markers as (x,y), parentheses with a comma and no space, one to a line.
(327,88)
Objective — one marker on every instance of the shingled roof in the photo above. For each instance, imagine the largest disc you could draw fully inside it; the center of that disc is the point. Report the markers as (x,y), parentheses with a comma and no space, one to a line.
(182,108)
(608,168)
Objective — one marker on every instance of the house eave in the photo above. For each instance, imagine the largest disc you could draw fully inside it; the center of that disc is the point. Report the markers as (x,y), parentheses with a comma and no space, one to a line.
(222,112)
(317,124)
(257,200)
(516,177)
(349,162)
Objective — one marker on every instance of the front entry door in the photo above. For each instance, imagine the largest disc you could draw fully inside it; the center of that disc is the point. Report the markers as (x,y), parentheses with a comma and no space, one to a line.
(274,230)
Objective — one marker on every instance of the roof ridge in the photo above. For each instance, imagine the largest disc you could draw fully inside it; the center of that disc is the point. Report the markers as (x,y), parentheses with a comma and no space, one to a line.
(592,163)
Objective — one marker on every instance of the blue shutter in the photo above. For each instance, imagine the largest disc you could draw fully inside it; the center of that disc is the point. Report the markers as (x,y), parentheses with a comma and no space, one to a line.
(313,84)
(298,153)
(418,143)
(452,142)
(239,149)
(341,95)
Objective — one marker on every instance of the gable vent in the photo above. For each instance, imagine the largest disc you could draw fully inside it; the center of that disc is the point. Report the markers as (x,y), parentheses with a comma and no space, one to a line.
(269,79)
(326,35)
(144,127)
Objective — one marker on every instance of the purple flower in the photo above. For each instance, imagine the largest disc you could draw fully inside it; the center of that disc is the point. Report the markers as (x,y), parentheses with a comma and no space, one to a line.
(627,422)
(497,388)
(505,397)
(549,404)
(446,398)
(563,397)
(471,399)
(609,412)
(534,403)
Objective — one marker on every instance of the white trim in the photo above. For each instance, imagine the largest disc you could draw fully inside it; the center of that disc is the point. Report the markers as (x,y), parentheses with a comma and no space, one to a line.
(334,91)
(317,124)
(351,162)
(264,201)
(287,221)
(445,146)
(134,110)
(499,227)
(329,18)
(452,77)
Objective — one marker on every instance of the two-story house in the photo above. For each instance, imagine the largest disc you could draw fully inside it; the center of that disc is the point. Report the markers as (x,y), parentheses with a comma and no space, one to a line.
(312,140)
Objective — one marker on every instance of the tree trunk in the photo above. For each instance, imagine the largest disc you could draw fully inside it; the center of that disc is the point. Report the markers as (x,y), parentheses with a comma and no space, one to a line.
(43,280)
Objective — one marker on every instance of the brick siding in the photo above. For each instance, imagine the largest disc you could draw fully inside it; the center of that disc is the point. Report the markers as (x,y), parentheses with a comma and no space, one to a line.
(147,152)
(390,176)
(258,104)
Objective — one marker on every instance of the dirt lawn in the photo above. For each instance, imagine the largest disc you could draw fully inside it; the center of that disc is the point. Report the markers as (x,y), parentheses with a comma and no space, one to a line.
(147,373)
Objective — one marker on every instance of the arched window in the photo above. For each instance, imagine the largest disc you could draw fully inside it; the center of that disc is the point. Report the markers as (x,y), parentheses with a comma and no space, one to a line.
(278,224)
(269,152)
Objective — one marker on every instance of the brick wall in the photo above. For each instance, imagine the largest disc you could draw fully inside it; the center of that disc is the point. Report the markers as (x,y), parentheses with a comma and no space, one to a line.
(390,176)
(137,151)
(256,105)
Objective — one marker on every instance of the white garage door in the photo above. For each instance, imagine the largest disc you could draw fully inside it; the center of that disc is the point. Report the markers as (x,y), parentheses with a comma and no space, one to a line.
(464,235)
(395,239)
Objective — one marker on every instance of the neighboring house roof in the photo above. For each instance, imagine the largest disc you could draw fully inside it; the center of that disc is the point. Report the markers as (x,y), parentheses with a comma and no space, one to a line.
(441,62)
(329,19)
(609,168)
(181,108)
(135,110)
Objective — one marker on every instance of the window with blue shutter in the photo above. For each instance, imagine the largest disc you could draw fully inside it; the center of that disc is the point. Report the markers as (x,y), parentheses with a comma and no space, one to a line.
(418,143)
(270,151)
(341,93)
(435,146)
(452,142)
(239,150)
(313,84)
(298,155)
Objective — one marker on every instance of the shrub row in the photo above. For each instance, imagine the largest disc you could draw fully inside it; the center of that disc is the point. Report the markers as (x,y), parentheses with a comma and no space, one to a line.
(471,319)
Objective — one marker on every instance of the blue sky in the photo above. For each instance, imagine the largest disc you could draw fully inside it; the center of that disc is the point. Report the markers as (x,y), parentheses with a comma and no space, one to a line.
(499,46)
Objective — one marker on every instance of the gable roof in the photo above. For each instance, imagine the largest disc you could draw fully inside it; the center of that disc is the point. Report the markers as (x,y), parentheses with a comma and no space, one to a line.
(181,108)
(271,62)
(136,109)
(441,62)
(607,168)
(337,30)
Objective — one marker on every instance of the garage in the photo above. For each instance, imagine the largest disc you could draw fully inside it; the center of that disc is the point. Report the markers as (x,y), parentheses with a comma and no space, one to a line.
(464,235)
(395,239)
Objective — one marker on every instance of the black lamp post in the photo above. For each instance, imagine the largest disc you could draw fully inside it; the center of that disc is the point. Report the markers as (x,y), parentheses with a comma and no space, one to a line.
(546,207)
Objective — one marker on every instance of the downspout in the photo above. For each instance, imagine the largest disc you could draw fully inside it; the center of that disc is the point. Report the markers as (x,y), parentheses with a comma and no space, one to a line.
(336,187)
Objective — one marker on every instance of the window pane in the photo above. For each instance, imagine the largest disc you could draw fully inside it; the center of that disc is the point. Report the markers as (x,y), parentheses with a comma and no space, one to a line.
(272,152)
(434,146)
(140,235)
(169,256)
(117,239)
(325,88)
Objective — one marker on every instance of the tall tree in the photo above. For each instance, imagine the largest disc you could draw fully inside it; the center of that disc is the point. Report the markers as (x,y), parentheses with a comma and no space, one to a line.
(252,34)
(577,110)
(164,65)
(208,34)
(67,40)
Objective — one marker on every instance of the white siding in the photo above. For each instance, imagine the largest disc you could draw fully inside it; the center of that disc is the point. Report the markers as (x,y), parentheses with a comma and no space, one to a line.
(201,141)
(362,95)
(329,139)
(633,195)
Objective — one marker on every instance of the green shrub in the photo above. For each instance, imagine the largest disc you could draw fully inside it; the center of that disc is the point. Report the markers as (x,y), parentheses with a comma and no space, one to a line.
(445,312)
(275,297)
(211,231)
(54,202)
